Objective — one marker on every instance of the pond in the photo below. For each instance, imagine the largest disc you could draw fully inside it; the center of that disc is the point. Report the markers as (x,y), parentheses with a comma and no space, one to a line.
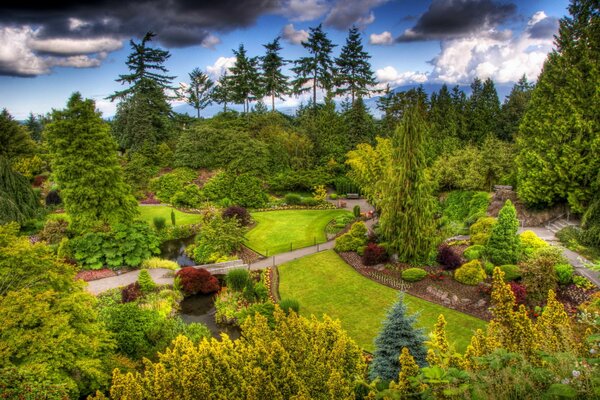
(201,308)
(174,250)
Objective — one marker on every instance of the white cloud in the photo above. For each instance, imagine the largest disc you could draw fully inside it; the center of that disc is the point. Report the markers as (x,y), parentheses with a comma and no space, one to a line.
(75,24)
(389,75)
(303,10)
(211,41)
(75,46)
(383,38)
(293,36)
(220,67)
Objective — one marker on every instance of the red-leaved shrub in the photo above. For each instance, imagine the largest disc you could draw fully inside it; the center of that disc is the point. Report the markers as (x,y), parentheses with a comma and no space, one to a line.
(449,257)
(242,215)
(131,292)
(197,280)
(374,254)
(519,291)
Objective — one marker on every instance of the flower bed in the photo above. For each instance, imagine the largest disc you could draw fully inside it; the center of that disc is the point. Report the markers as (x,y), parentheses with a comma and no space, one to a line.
(322,206)
(92,275)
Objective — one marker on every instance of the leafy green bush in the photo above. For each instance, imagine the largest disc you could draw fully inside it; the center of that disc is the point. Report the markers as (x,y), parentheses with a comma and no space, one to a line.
(481,230)
(218,187)
(54,231)
(157,262)
(237,279)
(248,191)
(159,222)
(165,186)
(333,196)
(290,304)
(218,239)
(190,196)
(292,199)
(539,274)
(461,209)
(582,282)
(470,273)
(503,246)
(564,273)
(478,206)
(353,239)
(299,180)
(489,268)
(145,281)
(261,291)
(356,211)
(265,309)
(309,202)
(511,272)
(414,274)
(474,252)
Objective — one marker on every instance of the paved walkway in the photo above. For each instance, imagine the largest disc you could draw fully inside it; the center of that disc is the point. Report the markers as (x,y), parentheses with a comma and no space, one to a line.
(104,284)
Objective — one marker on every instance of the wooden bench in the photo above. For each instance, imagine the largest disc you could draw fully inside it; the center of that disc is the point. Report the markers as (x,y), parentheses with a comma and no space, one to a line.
(352,196)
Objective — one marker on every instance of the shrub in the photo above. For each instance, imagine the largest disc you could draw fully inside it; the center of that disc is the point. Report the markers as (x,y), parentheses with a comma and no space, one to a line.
(511,272)
(471,273)
(54,231)
(478,206)
(489,268)
(237,212)
(320,193)
(248,191)
(374,254)
(564,273)
(190,196)
(147,285)
(264,309)
(159,222)
(539,275)
(503,245)
(333,196)
(414,274)
(356,211)
(582,282)
(474,252)
(218,239)
(309,202)
(353,239)
(197,280)
(173,220)
(53,198)
(261,291)
(165,186)
(237,279)
(156,262)
(519,291)
(292,199)
(481,230)
(449,257)
(131,292)
(290,304)
(530,242)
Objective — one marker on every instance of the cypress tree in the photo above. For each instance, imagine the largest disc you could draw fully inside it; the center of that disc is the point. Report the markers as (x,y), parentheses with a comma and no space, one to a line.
(353,74)
(399,331)
(18,201)
(275,83)
(244,81)
(407,203)
(317,68)
(84,162)
(503,246)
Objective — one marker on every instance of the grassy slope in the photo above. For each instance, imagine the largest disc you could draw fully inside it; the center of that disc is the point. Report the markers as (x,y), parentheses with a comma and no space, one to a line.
(325,284)
(275,230)
(147,213)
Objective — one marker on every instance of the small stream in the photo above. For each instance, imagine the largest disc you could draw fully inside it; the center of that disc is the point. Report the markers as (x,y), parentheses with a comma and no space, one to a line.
(201,308)
(174,250)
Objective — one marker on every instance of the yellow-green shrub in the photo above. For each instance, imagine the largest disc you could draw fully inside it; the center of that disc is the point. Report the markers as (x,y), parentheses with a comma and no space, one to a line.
(470,273)
(481,230)
(157,262)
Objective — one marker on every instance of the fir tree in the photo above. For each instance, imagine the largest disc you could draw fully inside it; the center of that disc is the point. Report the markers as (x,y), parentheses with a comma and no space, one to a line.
(399,331)
(513,109)
(198,93)
(222,93)
(359,123)
(445,124)
(14,139)
(244,81)
(35,126)
(407,204)
(84,162)
(353,74)
(18,201)
(317,68)
(503,246)
(275,83)
(483,110)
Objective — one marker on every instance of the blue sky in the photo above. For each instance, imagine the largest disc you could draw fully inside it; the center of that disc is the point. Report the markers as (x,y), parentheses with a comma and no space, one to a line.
(46,54)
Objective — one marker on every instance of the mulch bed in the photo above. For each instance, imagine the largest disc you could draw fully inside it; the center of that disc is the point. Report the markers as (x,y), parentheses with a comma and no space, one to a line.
(437,288)
(248,255)
(95,274)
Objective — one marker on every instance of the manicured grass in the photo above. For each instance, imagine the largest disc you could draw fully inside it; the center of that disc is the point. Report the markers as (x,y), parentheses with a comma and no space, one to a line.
(147,213)
(275,230)
(324,284)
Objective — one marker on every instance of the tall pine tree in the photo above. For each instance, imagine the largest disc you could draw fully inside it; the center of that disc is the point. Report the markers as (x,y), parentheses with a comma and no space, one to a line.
(275,83)
(316,70)
(483,110)
(244,81)
(353,72)
(198,93)
(513,109)
(14,138)
(84,162)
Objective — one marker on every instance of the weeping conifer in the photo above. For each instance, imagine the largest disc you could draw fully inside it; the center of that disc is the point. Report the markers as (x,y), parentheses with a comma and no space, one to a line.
(18,201)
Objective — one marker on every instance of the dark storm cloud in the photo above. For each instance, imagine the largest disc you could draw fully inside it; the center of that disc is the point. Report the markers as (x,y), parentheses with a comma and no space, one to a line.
(446,19)
(178,23)
(544,29)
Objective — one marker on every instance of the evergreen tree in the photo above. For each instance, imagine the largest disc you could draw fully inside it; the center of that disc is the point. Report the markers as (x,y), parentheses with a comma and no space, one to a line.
(198,93)
(275,83)
(513,109)
(395,104)
(483,110)
(399,331)
(84,162)
(326,128)
(18,201)
(244,81)
(459,103)
(14,139)
(559,137)
(503,246)
(407,203)
(35,126)
(222,93)
(360,124)
(317,68)
(353,74)
(445,124)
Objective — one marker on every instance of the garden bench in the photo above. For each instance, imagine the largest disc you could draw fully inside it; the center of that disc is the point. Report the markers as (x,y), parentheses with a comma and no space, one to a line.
(352,196)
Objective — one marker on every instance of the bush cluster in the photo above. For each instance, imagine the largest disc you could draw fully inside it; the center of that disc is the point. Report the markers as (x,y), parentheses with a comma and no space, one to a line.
(237,279)
(511,272)
(374,254)
(449,257)
(481,230)
(474,252)
(353,239)
(239,213)
(470,273)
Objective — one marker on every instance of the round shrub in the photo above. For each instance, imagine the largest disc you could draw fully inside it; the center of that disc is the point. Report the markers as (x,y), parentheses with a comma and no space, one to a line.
(414,274)
(564,273)
(288,305)
(489,268)
(333,196)
(53,198)
(237,279)
(147,285)
(482,230)
(197,280)
(474,252)
(511,272)
(374,254)
(159,222)
(471,273)
(539,275)
(449,257)
(292,199)
(240,213)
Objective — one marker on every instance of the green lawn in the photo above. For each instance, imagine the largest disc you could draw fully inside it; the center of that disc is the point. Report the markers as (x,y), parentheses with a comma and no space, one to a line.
(275,230)
(147,213)
(324,284)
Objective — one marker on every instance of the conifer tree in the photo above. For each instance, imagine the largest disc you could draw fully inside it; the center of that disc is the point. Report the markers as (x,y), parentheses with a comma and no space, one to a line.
(222,93)
(14,139)
(360,124)
(317,68)
(353,73)
(35,126)
(503,246)
(483,110)
(407,203)
(513,109)
(275,83)
(198,93)
(398,332)
(84,162)
(18,201)
(244,81)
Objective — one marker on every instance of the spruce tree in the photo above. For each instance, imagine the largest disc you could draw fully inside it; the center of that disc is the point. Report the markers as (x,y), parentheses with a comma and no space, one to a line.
(85,165)
(360,126)
(399,331)
(559,136)
(35,126)
(353,73)
(275,83)
(483,110)
(513,109)
(198,93)
(14,139)
(18,201)
(222,94)
(244,81)
(317,68)
(503,246)
(445,124)
(407,203)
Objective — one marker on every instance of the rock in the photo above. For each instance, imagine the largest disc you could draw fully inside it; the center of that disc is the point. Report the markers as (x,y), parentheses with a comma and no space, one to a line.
(454,299)
(480,303)
(465,301)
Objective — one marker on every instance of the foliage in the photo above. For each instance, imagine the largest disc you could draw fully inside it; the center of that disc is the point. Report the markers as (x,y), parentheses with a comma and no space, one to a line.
(407,204)
(289,305)
(511,272)
(503,246)
(582,282)
(591,223)
(54,231)
(356,211)
(481,230)
(237,279)
(156,262)
(564,273)
(14,139)
(353,239)
(84,163)
(167,185)
(449,256)
(239,213)
(470,273)
(131,292)
(18,201)
(145,281)
(292,199)
(159,222)
(198,93)
(248,191)
(244,80)
(461,209)
(368,166)
(518,290)
(398,332)
(218,238)
(197,280)
(414,274)
(353,70)
(275,82)
(190,196)
(530,242)
(53,198)
(320,193)
(15,384)
(374,254)
(474,252)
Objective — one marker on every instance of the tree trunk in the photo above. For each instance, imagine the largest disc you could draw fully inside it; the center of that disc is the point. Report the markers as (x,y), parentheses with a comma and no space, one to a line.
(272,102)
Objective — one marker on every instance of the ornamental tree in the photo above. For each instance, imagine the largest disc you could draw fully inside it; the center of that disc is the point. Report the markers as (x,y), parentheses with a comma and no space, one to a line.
(504,244)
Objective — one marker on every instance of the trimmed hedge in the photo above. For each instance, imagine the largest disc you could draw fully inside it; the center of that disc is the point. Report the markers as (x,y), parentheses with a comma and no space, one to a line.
(414,274)
(471,273)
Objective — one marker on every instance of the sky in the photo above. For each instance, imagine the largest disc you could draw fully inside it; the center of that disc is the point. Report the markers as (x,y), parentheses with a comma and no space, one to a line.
(48,52)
